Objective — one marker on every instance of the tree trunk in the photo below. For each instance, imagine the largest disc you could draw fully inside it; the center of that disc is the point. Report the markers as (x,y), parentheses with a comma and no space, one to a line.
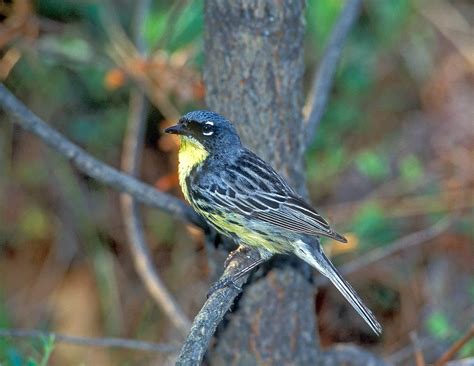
(253,75)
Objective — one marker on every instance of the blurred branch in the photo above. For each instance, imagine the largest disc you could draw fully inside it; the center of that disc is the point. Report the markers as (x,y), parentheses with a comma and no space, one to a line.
(130,58)
(127,57)
(348,354)
(142,8)
(452,24)
(131,157)
(91,342)
(211,314)
(406,352)
(171,22)
(409,205)
(419,358)
(407,242)
(93,167)
(324,77)
(456,347)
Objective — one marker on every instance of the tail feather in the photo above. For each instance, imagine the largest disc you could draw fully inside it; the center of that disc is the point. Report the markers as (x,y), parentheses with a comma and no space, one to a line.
(349,293)
(317,259)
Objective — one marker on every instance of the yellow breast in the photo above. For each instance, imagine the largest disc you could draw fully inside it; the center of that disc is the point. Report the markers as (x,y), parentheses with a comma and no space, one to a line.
(191,153)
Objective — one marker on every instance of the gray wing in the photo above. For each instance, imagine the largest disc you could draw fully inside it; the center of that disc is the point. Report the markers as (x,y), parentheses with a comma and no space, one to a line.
(251,188)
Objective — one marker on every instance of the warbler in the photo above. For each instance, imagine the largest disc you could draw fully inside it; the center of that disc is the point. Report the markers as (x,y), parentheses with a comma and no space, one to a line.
(244,198)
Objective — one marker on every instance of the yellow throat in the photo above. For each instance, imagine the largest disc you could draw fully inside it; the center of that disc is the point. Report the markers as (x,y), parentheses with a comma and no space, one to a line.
(191,153)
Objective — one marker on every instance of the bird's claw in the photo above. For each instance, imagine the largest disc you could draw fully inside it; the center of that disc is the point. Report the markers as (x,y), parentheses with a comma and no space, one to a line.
(231,256)
(223,283)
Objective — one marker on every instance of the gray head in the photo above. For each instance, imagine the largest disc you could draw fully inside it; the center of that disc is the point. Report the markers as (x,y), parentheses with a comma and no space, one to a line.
(210,129)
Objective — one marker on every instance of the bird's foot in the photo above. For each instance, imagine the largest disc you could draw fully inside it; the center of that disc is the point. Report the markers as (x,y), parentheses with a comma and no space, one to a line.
(231,256)
(223,283)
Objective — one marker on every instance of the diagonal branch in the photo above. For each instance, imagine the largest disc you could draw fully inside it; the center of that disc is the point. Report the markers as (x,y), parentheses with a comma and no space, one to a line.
(131,157)
(93,167)
(327,69)
(90,342)
(212,313)
(419,357)
(456,347)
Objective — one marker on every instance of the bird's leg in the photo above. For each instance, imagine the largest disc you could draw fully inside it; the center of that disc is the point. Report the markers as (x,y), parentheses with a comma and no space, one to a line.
(240,249)
(230,281)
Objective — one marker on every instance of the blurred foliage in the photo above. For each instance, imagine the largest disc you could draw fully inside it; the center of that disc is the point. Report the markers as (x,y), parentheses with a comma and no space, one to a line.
(438,325)
(36,354)
(384,163)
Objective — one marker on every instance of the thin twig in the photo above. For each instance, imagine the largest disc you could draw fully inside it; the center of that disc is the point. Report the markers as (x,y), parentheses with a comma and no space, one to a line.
(406,352)
(211,314)
(451,352)
(402,355)
(452,24)
(171,22)
(327,68)
(123,52)
(93,167)
(403,244)
(419,358)
(131,158)
(90,342)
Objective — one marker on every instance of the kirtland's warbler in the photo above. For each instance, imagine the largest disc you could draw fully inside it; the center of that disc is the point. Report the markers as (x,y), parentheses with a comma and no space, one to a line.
(244,198)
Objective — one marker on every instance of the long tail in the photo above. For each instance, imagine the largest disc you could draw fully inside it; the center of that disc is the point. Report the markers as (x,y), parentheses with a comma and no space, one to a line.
(317,259)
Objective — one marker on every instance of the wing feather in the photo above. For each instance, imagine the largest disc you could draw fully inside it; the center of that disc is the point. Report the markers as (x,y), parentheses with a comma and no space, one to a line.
(253,189)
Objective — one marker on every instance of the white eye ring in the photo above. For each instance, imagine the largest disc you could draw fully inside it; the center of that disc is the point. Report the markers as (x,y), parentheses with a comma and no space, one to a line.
(208,123)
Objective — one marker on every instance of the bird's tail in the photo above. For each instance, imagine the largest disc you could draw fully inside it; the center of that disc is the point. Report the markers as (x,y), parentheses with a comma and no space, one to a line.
(317,259)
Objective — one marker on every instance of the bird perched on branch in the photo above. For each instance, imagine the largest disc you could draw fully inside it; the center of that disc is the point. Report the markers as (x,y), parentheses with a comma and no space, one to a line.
(244,198)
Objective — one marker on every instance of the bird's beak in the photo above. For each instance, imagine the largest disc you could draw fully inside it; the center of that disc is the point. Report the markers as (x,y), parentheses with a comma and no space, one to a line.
(178,129)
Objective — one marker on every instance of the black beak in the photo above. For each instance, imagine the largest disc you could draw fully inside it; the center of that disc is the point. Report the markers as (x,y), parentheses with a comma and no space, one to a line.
(178,129)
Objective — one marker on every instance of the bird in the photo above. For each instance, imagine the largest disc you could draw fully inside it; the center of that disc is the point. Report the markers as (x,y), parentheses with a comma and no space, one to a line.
(244,198)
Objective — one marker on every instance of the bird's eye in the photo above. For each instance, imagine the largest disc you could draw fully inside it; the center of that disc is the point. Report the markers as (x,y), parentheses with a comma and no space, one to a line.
(208,128)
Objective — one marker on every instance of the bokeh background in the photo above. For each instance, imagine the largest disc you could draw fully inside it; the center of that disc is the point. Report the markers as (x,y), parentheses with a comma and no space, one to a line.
(393,156)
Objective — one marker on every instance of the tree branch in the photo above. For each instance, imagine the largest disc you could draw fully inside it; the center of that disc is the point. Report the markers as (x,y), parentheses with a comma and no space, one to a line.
(93,167)
(324,77)
(91,342)
(131,158)
(211,314)
(456,347)
(419,357)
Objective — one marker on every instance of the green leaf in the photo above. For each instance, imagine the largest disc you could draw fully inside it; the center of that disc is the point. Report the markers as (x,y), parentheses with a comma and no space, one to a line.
(31,362)
(72,47)
(321,16)
(155,25)
(438,325)
(411,169)
(467,350)
(388,18)
(189,26)
(372,165)
(48,347)
(373,227)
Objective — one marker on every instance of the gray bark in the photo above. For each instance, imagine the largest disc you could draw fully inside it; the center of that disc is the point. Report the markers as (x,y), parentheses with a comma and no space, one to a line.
(253,75)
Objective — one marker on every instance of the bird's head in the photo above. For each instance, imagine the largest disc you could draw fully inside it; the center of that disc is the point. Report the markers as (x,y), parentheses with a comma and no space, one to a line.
(209,129)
